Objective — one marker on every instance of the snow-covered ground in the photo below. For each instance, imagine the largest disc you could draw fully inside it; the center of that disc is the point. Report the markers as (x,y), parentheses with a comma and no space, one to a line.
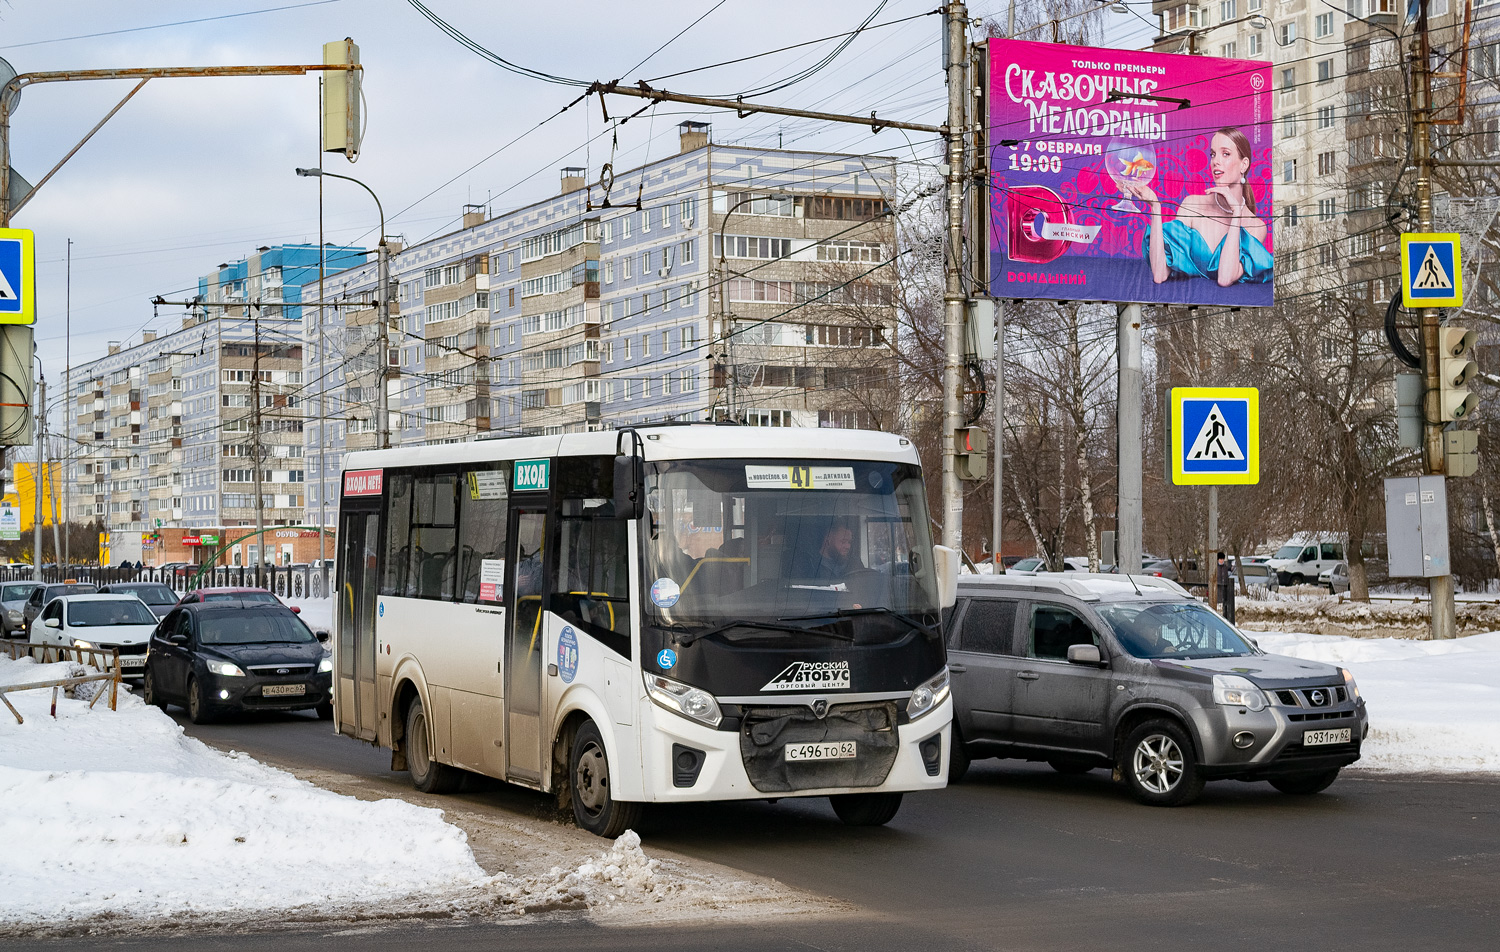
(1434,705)
(112,818)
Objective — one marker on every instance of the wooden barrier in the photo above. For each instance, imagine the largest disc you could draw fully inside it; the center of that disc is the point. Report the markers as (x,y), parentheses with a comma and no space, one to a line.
(48,654)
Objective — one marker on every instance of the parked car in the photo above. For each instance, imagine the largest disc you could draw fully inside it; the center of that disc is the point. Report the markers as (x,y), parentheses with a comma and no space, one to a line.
(229,593)
(1033,566)
(43,594)
(1306,556)
(157,596)
(1085,672)
(122,622)
(238,655)
(1336,579)
(13,597)
(1258,575)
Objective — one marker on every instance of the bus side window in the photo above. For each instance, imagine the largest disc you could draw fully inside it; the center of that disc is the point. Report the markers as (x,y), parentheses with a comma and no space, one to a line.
(591,578)
(398,537)
(481,535)
(434,536)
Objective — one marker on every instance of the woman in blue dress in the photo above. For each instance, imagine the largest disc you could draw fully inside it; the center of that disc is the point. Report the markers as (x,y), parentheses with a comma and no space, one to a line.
(1193,244)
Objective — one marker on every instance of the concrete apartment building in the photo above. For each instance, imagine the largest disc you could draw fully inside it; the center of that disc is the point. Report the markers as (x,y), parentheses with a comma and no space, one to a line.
(607,306)
(164,433)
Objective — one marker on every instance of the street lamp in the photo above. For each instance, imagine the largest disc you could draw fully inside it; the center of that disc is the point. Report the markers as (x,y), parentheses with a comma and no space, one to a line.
(383,314)
(1258,20)
(724,316)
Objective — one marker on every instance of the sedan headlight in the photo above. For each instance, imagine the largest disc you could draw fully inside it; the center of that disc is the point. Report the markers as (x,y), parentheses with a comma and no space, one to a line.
(928,695)
(325,666)
(1235,691)
(683,699)
(224,668)
(14,616)
(1349,684)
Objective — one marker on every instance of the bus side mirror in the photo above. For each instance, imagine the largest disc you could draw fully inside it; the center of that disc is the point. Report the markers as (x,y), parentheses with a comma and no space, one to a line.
(945,561)
(630,490)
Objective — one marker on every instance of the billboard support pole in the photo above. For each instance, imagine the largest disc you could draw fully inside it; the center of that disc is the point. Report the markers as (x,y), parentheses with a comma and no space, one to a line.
(1128,524)
(1443,619)
(955,59)
(37,475)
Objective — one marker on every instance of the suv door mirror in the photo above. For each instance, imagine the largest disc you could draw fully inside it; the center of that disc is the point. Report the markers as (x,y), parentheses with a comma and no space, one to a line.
(1084,654)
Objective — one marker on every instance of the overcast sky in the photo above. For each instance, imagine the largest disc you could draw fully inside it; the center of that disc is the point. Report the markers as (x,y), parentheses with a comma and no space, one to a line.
(194,172)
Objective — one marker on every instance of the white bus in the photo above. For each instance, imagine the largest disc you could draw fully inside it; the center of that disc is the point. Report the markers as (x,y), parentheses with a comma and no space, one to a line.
(658,614)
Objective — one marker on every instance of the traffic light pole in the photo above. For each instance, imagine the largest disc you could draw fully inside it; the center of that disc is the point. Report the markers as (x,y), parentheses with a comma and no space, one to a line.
(1443,622)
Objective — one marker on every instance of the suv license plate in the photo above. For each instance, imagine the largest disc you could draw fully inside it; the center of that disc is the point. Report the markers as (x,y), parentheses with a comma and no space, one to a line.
(843,750)
(139,662)
(1319,738)
(283,690)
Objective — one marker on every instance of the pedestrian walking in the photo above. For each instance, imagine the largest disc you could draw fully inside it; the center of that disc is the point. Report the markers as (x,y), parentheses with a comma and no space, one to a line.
(1226,577)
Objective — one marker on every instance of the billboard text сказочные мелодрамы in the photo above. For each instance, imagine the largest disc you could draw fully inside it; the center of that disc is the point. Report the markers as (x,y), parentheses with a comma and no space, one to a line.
(1130,199)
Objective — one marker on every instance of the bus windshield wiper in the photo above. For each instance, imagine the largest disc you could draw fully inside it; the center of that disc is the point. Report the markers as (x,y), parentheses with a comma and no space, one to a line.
(850,612)
(761,626)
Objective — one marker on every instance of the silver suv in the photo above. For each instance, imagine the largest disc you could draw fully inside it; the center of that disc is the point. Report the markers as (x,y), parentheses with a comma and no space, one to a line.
(1133,674)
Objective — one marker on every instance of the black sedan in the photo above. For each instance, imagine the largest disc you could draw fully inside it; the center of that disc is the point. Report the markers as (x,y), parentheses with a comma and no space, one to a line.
(218,657)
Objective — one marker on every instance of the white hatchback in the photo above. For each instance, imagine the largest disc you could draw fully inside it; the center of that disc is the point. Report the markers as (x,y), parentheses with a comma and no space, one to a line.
(99,621)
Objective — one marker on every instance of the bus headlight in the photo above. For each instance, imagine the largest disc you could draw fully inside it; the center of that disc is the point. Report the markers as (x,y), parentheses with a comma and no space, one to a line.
(1234,691)
(325,666)
(683,699)
(928,695)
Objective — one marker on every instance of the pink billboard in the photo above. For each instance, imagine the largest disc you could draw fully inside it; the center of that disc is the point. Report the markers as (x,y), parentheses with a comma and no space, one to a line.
(1118,175)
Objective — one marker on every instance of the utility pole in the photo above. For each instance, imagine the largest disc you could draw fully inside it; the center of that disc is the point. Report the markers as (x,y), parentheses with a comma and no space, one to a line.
(1128,504)
(36,478)
(979,235)
(955,61)
(70,408)
(383,314)
(322,386)
(255,451)
(1443,621)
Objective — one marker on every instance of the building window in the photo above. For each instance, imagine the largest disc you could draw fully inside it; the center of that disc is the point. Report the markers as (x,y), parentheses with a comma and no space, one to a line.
(689,210)
(625,268)
(645,220)
(1289,215)
(1288,31)
(688,337)
(1327,209)
(1289,126)
(1325,71)
(666,216)
(1325,117)
(685,252)
(645,345)
(689,380)
(1227,10)
(1323,25)
(1228,50)
(625,227)
(1289,170)
(625,344)
(1327,163)
(1326,255)
(609,271)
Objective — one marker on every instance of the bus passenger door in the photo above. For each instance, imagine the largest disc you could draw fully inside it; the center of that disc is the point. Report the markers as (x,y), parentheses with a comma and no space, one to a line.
(359,540)
(525,564)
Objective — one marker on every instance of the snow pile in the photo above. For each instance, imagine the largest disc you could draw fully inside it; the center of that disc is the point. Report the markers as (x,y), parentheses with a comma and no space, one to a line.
(119,814)
(623,872)
(1330,612)
(1433,705)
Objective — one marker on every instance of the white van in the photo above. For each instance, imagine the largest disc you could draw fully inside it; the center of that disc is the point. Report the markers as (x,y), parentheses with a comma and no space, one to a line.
(1305,556)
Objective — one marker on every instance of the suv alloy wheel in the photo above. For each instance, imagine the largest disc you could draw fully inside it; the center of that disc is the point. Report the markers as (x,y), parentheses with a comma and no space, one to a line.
(1158,766)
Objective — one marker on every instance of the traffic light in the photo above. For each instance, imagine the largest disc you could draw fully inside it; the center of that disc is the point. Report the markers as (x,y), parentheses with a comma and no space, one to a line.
(1456,369)
(341,98)
(971,452)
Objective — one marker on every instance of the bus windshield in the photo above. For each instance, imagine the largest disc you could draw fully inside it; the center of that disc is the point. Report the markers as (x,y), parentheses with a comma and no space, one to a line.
(789,546)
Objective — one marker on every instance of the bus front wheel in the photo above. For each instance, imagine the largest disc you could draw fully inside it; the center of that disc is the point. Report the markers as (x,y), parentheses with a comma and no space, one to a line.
(594,805)
(866,809)
(427,775)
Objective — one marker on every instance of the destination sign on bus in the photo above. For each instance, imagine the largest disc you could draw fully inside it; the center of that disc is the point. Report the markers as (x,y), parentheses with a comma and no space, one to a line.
(362,482)
(799,477)
(532,475)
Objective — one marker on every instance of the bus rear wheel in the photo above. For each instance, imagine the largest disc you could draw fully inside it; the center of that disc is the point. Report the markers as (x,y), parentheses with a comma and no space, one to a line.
(866,809)
(594,805)
(427,775)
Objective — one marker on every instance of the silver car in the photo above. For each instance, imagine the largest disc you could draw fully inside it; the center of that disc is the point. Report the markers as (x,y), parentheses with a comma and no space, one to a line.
(1335,579)
(13,597)
(1125,673)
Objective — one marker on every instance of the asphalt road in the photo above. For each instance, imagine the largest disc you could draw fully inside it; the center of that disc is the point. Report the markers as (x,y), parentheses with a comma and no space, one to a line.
(1017,857)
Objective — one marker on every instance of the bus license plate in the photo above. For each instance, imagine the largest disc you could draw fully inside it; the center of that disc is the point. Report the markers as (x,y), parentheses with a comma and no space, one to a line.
(842,750)
(1318,738)
(283,690)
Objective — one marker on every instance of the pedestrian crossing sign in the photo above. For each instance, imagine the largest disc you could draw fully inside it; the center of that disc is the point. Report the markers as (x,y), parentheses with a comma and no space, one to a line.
(1432,273)
(17,276)
(1215,436)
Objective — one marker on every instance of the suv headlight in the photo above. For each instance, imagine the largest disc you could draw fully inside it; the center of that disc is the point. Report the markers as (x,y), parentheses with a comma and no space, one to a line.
(1349,684)
(683,699)
(928,695)
(224,668)
(1235,691)
(325,666)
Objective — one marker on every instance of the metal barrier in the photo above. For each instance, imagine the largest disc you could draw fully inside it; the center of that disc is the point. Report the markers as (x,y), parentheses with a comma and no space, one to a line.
(53,653)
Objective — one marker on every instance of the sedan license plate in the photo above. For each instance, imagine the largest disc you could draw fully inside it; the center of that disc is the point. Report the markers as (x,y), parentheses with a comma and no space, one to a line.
(283,690)
(132,662)
(842,750)
(1319,738)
